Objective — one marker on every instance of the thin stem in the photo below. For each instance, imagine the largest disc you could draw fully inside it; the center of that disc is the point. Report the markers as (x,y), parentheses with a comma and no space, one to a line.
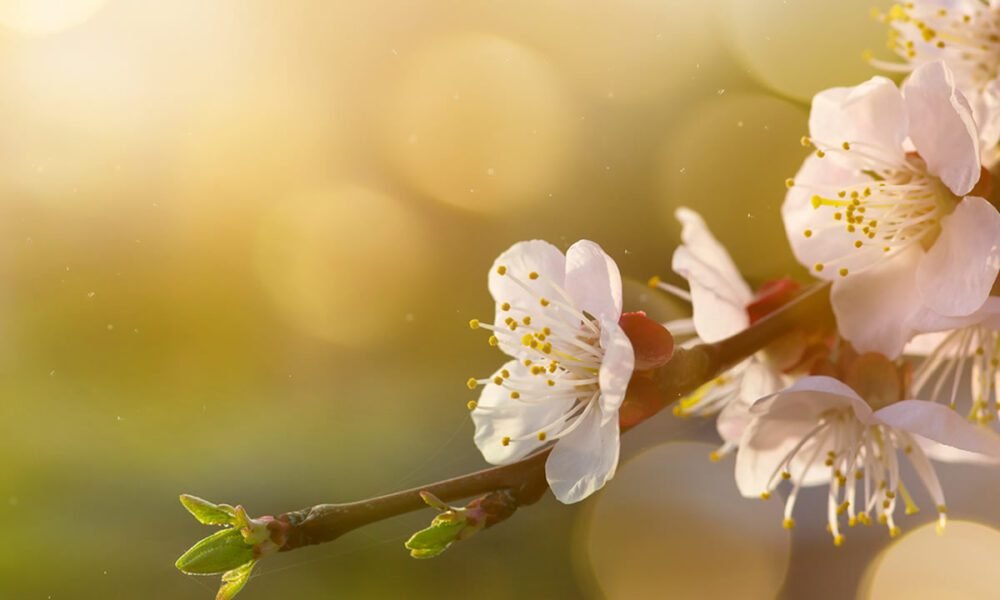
(525,480)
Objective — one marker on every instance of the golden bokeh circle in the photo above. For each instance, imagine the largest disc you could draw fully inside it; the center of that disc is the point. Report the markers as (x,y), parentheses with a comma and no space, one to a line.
(799,48)
(628,51)
(923,565)
(46,17)
(344,263)
(479,122)
(728,159)
(661,527)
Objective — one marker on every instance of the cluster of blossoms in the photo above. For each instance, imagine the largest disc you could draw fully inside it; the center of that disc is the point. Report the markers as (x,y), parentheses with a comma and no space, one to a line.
(892,207)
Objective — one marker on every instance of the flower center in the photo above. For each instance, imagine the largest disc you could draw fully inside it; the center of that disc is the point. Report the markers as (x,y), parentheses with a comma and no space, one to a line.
(969,36)
(864,471)
(557,346)
(895,203)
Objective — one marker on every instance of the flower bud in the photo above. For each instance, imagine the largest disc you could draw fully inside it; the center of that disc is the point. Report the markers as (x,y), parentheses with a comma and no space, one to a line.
(456,524)
(220,552)
(232,551)
(651,342)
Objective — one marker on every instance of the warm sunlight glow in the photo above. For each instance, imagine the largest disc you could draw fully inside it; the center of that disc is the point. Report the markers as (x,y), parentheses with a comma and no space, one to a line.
(43,17)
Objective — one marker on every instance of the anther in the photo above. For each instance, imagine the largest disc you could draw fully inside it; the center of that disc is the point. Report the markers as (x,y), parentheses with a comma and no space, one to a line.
(505,441)
(541,436)
(788,523)
(474,324)
(533,275)
(471,404)
(501,270)
(843,272)
(472,383)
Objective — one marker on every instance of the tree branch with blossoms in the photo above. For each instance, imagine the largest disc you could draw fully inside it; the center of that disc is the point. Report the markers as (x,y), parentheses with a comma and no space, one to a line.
(894,356)
(663,375)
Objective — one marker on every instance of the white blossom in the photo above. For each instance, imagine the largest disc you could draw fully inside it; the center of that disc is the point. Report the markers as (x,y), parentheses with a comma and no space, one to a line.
(820,431)
(883,208)
(557,318)
(719,298)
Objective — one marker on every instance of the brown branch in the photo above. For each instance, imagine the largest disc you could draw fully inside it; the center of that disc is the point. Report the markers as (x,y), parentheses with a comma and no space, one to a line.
(525,480)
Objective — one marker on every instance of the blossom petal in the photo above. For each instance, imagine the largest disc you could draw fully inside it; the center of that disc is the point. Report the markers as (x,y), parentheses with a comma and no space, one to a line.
(927,321)
(942,127)
(987,113)
(497,416)
(926,344)
(870,114)
(940,424)
(719,295)
(593,280)
(781,422)
(956,275)
(823,393)
(757,380)
(616,368)
(515,287)
(874,308)
(584,460)
(948,454)
(697,237)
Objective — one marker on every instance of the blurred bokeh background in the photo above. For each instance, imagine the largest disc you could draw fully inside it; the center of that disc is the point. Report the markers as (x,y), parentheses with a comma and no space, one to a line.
(241,242)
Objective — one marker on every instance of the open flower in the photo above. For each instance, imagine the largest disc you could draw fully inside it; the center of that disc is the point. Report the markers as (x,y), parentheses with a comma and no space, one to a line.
(885,208)
(722,304)
(557,318)
(962,34)
(820,431)
(951,356)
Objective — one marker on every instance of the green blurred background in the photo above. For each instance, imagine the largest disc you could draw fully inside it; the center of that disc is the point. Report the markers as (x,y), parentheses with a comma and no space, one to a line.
(242,241)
